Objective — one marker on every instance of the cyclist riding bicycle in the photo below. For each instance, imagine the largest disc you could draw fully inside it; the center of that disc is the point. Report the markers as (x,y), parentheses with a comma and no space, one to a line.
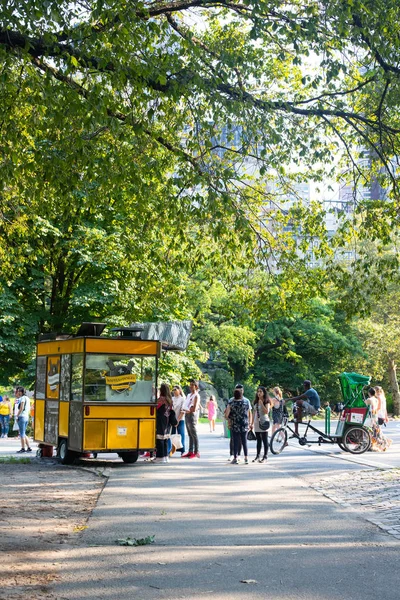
(307,403)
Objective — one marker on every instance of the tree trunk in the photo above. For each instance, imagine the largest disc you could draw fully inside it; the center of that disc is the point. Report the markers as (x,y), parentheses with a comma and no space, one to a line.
(394,384)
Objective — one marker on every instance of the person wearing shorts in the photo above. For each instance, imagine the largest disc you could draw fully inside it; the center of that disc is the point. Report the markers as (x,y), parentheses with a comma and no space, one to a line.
(307,403)
(22,415)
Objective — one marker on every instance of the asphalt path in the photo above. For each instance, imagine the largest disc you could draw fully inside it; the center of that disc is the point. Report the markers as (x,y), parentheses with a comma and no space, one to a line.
(227,531)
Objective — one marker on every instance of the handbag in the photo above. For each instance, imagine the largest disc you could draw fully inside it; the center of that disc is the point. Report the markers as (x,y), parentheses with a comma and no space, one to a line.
(251,436)
(15,426)
(176,441)
(263,425)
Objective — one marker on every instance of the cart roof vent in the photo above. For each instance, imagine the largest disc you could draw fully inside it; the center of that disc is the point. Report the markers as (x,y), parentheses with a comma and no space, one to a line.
(90,329)
(174,335)
(135,331)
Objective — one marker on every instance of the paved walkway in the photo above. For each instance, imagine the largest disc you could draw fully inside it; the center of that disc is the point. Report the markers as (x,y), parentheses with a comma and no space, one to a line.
(226,532)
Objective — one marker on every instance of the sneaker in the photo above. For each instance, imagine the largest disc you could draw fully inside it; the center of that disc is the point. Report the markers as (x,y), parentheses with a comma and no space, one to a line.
(255,459)
(165,459)
(192,455)
(186,455)
(263,459)
(234,461)
(146,455)
(29,449)
(246,462)
(197,454)
(20,451)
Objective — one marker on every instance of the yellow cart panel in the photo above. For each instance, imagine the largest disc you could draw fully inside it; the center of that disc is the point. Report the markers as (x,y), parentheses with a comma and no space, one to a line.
(147,433)
(39,420)
(123,433)
(63,419)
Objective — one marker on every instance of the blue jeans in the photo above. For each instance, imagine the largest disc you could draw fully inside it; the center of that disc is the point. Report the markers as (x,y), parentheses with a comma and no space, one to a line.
(181,430)
(22,424)
(5,424)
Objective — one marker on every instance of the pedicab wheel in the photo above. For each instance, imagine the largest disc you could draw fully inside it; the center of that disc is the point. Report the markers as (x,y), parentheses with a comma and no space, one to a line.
(278,441)
(39,453)
(66,456)
(356,440)
(342,447)
(129,457)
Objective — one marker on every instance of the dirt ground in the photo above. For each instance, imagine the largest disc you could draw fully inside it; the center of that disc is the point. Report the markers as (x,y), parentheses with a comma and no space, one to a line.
(43,505)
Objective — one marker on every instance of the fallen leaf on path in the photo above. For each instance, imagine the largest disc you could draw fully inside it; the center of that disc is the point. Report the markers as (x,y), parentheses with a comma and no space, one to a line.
(248,581)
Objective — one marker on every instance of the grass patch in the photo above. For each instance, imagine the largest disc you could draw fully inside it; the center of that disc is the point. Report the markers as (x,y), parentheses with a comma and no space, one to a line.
(13,460)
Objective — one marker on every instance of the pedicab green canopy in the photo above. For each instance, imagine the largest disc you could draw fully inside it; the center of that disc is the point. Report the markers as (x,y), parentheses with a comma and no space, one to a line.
(352,385)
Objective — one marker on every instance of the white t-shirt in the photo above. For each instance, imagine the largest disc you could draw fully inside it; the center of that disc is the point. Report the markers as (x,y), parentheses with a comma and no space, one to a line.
(27,406)
(190,401)
(177,404)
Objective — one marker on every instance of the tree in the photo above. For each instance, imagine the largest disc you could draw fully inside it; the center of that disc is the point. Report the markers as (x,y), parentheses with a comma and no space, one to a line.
(380,337)
(123,121)
(316,344)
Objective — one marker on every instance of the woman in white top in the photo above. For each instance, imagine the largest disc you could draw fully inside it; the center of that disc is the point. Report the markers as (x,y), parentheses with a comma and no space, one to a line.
(178,400)
(381,412)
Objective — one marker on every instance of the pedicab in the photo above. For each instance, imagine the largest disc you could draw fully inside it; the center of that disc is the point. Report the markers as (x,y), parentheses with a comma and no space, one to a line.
(351,435)
(96,394)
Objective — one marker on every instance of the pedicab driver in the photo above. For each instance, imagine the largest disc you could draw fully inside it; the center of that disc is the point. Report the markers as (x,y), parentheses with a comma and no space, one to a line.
(307,403)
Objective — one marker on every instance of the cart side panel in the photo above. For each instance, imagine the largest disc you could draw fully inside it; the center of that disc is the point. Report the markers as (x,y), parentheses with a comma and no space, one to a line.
(63,419)
(112,346)
(39,420)
(95,434)
(123,434)
(75,426)
(111,411)
(147,433)
(51,422)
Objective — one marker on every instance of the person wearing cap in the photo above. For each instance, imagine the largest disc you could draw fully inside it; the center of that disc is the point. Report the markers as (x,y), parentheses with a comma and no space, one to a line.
(307,403)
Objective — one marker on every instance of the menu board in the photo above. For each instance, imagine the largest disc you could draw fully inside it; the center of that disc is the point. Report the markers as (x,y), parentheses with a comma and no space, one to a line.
(53,377)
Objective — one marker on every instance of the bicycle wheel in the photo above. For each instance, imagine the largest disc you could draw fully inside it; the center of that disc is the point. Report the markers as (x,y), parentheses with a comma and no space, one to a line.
(278,441)
(356,440)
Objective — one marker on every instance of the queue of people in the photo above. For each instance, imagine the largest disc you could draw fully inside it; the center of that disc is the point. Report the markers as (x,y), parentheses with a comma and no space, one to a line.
(20,409)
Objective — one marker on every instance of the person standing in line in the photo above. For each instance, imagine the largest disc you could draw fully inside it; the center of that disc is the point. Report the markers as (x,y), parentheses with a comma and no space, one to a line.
(381,412)
(178,400)
(212,412)
(240,388)
(24,407)
(262,405)
(239,414)
(165,417)
(5,415)
(278,406)
(191,408)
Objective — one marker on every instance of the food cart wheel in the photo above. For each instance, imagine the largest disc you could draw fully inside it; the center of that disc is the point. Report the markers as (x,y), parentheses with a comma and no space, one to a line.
(356,440)
(129,457)
(66,456)
(39,453)
(278,441)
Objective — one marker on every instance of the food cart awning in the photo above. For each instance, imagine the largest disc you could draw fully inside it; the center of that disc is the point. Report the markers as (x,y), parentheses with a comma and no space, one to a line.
(174,335)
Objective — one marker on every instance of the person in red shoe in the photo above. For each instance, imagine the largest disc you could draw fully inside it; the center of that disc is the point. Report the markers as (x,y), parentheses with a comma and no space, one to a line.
(191,409)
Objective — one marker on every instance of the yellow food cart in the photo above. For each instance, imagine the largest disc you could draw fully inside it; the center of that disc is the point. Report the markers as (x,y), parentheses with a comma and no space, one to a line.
(98,394)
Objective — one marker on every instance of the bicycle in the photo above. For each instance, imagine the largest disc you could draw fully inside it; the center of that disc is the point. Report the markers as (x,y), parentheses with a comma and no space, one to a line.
(355,439)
